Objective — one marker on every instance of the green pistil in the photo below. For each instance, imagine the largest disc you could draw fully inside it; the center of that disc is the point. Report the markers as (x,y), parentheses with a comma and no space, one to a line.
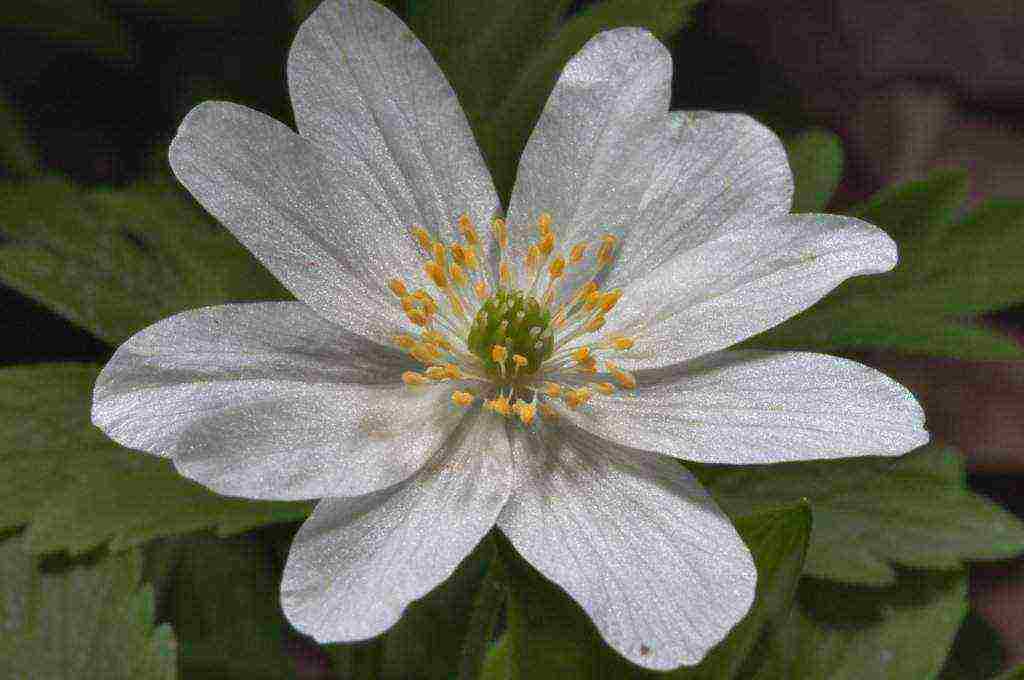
(516,321)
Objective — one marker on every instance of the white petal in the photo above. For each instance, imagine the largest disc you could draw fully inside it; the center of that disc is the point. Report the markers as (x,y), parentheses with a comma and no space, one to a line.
(366,90)
(617,86)
(744,282)
(358,562)
(752,407)
(269,401)
(634,539)
(326,231)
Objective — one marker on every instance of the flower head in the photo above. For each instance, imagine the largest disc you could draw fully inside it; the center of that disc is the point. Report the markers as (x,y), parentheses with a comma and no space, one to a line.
(447,369)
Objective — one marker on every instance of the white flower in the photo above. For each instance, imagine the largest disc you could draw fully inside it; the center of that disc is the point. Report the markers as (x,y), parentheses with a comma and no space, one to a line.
(445,372)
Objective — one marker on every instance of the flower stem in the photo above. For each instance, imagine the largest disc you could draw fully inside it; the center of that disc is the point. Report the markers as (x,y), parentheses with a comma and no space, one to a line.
(482,622)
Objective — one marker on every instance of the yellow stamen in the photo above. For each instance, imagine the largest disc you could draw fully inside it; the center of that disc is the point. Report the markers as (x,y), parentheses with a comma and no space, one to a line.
(417,317)
(589,365)
(457,307)
(439,254)
(553,390)
(556,268)
(422,237)
(404,341)
(437,373)
(585,290)
(500,230)
(547,244)
(499,405)
(504,276)
(425,352)
(461,398)
(438,339)
(413,378)
(436,274)
(576,398)
(471,262)
(623,343)
(605,388)
(467,229)
(604,253)
(452,371)
(532,258)
(525,411)
(481,290)
(428,302)
(548,412)
(458,275)
(592,300)
(520,361)
(499,353)
(577,252)
(581,355)
(594,324)
(397,287)
(458,253)
(626,379)
(544,224)
(610,299)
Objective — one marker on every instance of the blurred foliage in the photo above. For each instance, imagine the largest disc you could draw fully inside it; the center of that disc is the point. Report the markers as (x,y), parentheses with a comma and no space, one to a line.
(816,157)
(18,155)
(871,513)
(76,489)
(87,619)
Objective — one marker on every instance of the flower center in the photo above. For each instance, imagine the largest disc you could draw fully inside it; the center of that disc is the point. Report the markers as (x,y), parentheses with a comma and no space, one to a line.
(516,322)
(517,351)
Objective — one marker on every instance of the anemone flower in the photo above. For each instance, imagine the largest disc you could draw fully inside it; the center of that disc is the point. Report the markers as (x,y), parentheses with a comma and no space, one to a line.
(446,370)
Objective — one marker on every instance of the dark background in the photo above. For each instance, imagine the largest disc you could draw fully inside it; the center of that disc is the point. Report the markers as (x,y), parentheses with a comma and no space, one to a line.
(909,86)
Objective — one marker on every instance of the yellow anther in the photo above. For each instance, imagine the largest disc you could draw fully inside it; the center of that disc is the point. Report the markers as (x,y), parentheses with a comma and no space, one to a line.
(585,290)
(414,378)
(500,230)
(438,339)
(547,244)
(610,299)
(424,353)
(499,405)
(471,262)
(436,274)
(504,275)
(592,300)
(437,373)
(452,371)
(532,258)
(460,398)
(520,361)
(481,290)
(604,388)
(440,253)
(417,317)
(499,353)
(548,412)
(404,341)
(458,253)
(577,252)
(425,299)
(558,320)
(556,268)
(589,365)
(581,354)
(544,224)
(604,253)
(576,398)
(397,287)
(553,390)
(457,307)
(622,343)
(467,229)
(422,237)
(594,324)
(525,411)
(458,275)
(626,379)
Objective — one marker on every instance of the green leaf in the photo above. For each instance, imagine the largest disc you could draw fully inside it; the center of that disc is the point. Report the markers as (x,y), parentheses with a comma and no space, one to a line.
(116,261)
(1016,673)
(550,636)
(224,603)
(838,632)
(18,155)
(76,489)
(816,157)
(872,513)
(87,620)
(503,128)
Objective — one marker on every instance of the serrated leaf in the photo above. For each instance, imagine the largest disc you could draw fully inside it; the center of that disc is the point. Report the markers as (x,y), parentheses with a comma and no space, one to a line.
(18,155)
(837,632)
(76,489)
(115,261)
(816,157)
(224,603)
(550,636)
(872,513)
(88,620)
(503,129)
